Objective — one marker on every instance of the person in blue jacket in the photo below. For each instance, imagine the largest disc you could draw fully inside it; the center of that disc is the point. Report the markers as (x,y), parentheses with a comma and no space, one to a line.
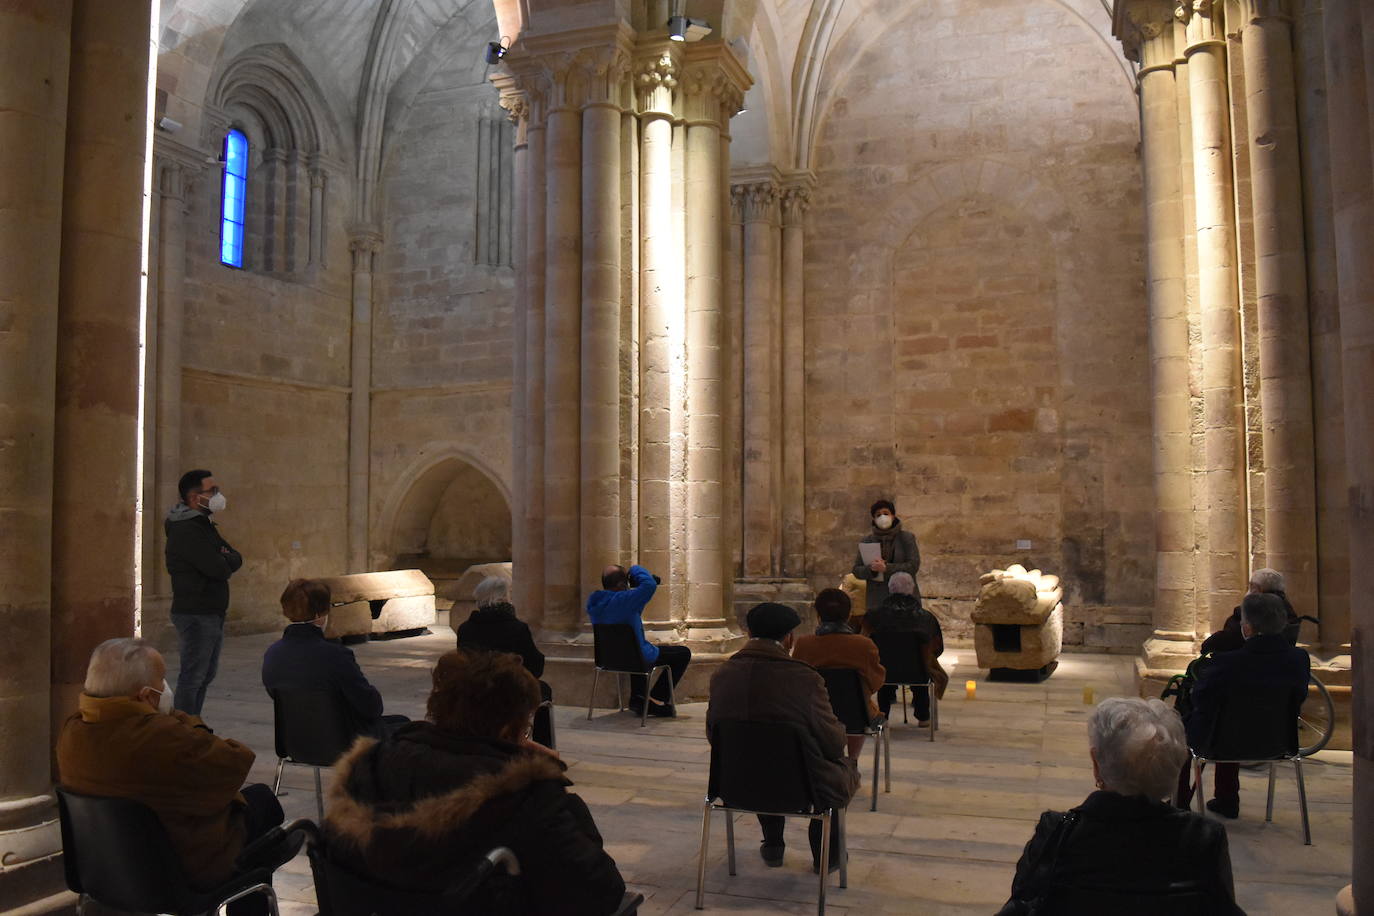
(621,599)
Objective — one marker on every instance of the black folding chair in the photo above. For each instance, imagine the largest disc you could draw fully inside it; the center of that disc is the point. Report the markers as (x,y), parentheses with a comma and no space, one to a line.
(1256,724)
(903,656)
(759,768)
(850,703)
(116,852)
(342,891)
(617,652)
(312,728)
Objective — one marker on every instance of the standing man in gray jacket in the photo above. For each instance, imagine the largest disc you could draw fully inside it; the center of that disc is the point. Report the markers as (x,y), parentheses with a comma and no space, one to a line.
(200,563)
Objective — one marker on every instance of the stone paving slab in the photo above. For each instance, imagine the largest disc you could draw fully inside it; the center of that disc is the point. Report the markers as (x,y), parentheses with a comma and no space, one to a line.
(945,840)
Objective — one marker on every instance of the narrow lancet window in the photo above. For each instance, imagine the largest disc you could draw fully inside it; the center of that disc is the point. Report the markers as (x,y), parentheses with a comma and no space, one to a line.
(235,192)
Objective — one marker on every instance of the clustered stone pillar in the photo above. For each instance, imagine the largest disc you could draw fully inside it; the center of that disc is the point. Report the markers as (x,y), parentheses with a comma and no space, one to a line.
(769,259)
(1306,155)
(623,140)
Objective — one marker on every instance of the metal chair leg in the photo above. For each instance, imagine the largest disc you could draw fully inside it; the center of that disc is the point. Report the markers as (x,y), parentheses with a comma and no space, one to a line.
(319,796)
(1199,765)
(730,841)
(844,847)
(887,760)
(1302,801)
(877,749)
(934,709)
(701,857)
(1269,806)
(591,697)
(905,720)
(619,697)
(276,786)
(824,860)
(271,896)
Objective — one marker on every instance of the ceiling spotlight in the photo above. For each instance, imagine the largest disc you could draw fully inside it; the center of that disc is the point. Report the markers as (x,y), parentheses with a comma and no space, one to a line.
(680,28)
(496,50)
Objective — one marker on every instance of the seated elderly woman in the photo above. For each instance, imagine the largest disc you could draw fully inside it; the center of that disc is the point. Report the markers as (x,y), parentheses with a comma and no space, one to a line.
(901,612)
(416,809)
(1124,850)
(493,627)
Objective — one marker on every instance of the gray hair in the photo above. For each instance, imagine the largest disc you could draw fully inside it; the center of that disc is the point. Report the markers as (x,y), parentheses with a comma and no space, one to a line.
(492,590)
(1266,581)
(901,583)
(121,667)
(1139,745)
(1264,613)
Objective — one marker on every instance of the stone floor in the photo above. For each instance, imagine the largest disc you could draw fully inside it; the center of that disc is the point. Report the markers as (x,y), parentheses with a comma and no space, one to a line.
(944,841)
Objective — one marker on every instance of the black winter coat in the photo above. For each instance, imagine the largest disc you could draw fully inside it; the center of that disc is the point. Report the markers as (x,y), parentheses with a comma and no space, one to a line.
(199,561)
(1229,637)
(497,629)
(1127,844)
(1268,660)
(415,809)
(304,660)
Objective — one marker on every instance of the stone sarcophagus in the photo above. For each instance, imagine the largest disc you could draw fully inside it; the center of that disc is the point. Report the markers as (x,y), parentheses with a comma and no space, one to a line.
(378,603)
(1018,623)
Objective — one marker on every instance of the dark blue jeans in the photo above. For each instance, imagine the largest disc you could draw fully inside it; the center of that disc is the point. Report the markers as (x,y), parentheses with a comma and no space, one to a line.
(200,637)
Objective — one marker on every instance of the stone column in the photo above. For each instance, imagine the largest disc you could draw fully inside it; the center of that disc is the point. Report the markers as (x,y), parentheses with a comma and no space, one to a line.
(165,459)
(796,196)
(528,547)
(734,309)
(1290,501)
(1323,306)
(364,243)
(1214,201)
(99,325)
(759,201)
(660,293)
(600,439)
(562,343)
(1346,27)
(35,48)
(712,94)
(318,179)
(274,209)
(1146,27)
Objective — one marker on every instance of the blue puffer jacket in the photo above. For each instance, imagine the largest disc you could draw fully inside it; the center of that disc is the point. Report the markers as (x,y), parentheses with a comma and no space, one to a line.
(627,606)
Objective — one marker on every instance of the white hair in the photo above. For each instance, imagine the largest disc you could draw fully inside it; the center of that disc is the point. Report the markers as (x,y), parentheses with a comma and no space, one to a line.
(1140,746)
(121,667)
(901,583)
(1266,581)
(492,590)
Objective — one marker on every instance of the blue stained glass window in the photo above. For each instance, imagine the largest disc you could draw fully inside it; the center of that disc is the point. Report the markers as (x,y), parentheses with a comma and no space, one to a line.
(235,192)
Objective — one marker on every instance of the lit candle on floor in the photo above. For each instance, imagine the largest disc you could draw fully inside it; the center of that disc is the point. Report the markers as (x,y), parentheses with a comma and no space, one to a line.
(1087,696)
(971,689)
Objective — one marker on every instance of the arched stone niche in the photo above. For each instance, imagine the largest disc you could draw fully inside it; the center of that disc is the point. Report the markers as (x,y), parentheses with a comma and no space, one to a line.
(450,514)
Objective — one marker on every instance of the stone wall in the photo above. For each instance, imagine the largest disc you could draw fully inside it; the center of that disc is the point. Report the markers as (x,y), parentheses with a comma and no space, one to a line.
(976,346)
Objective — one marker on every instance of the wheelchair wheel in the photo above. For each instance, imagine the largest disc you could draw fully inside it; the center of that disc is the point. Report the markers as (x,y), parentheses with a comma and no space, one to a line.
(1316,719)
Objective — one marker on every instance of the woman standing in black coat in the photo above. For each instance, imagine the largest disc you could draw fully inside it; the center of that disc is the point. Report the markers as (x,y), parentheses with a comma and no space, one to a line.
(897,553)
(1123,843)
(415,810)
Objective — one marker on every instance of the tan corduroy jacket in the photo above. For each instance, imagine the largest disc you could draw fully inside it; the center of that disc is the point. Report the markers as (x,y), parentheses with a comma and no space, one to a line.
(845,650)
(174,764)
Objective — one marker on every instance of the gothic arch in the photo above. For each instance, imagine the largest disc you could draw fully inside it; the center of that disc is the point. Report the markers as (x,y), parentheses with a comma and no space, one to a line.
(408,514)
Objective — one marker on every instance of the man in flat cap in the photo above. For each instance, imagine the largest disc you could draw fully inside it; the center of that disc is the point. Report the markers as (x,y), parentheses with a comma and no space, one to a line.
(763,683)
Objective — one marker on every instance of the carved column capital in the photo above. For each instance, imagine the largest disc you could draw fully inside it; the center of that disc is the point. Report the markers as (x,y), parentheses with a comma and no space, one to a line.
(757,200)
(603,76)
(796,200)
(364,242)
(1204,22)
(655,79)
(1248,11)
(1145,30)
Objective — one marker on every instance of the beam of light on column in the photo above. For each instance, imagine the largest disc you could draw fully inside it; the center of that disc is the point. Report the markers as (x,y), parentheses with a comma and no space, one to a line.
(145,254)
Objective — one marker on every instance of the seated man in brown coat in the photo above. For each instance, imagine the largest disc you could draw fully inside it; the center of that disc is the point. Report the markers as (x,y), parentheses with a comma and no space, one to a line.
(763,683)
(126,741)
(837,645)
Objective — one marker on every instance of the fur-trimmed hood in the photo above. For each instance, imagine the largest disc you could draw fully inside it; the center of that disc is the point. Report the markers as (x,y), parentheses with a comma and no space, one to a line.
(357,813)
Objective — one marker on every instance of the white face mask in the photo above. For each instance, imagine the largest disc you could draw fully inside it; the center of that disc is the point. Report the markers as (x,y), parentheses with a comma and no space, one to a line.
(883,521)
(217,503)
(164,698)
